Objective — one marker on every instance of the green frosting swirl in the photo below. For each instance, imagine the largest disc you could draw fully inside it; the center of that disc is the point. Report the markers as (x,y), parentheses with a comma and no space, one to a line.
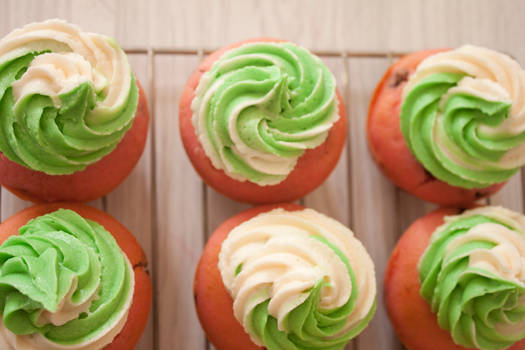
(67,97)
(446,139)
(42,265)
(480,307)
(260,107)
(308,326)
(57,140)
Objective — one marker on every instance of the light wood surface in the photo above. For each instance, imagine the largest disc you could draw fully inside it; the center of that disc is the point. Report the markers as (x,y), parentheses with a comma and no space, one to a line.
(165,203)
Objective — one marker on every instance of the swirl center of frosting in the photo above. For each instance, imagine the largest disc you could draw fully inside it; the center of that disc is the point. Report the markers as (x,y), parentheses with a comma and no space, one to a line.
(298,279)
(473,276)
(52,74)
(260,107)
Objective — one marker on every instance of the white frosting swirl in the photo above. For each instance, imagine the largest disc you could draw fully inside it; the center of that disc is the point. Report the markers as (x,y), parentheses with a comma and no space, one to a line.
(280,259)
(75,57)
(52,74)
(67,309)
(67,312)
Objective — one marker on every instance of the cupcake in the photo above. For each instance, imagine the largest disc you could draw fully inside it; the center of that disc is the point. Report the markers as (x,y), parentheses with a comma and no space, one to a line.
(283,277)
(458,278)
(73,119)
(262,121)
(73,278)
(448,125)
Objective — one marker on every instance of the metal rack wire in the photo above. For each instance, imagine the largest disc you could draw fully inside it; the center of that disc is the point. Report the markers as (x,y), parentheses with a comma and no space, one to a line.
(204,50)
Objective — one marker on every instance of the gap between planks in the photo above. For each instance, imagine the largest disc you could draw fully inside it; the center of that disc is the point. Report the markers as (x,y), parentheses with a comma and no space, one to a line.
(153,204)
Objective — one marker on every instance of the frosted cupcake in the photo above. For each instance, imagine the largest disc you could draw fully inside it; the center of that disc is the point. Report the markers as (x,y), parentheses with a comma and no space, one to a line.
(262,121)
(448,126)
(458,278)
(284,277)
(73,278)
(73,119)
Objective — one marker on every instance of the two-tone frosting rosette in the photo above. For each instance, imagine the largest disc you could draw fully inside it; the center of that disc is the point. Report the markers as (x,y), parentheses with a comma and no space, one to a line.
(459,278)
(460,114)
(262,121)
(71,112)
(65,282)
(473,275)
(463,116)
(284,277)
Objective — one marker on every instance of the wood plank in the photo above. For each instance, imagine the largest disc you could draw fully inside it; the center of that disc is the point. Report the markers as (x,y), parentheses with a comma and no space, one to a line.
(11,204)
(400,25)
(94,16)
(333,196)
(339,24)
(219,209)
(374,215)
(511,195)
(178,238)
(14,14)
(410,209)
(130,203)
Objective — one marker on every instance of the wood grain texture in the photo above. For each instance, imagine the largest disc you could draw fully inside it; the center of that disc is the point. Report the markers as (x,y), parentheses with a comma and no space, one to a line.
(179,229)
(511,195)
(130,203)
(374,214)
(333,196)
(165,203)
(376,25)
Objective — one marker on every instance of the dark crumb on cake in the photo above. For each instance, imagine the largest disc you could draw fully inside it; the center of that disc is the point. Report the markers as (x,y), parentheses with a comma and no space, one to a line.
(195,296)
(142,264)
(429,175)
(427,179)
(399,76)
(479,194)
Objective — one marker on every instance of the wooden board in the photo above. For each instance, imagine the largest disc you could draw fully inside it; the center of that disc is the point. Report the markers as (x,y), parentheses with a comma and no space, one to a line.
(165,203)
